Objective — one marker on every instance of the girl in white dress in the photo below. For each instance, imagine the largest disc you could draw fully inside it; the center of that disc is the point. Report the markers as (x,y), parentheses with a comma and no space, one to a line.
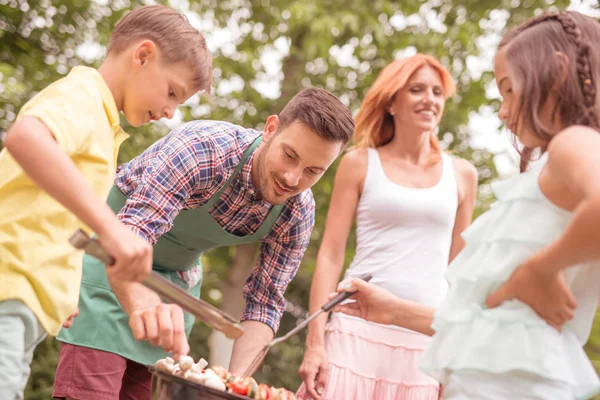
(524,291)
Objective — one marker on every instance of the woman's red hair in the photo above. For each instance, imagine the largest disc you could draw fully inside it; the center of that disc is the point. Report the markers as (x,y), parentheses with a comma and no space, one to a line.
(374,124)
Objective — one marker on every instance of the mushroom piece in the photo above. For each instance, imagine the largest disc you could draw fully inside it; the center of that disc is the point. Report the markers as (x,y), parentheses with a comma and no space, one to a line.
(220,372)
(213,381)
(200,365)
(164,366)
(196,377)
(211,374)
(186,363)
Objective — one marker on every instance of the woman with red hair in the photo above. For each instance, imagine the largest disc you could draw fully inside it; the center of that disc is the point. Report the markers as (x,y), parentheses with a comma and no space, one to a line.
(411,202)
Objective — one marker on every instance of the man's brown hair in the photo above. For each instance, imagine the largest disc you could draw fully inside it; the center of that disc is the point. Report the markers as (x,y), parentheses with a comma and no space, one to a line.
(322,112)
(177,40)
(531,52)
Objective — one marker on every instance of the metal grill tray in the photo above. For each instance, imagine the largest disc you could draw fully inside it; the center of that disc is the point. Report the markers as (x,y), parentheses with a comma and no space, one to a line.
(171,387)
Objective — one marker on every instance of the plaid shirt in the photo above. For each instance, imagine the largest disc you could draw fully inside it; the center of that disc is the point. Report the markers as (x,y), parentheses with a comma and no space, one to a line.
(184,170)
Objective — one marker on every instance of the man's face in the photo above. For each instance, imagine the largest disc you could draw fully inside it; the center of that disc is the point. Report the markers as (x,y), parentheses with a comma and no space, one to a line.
(292,160)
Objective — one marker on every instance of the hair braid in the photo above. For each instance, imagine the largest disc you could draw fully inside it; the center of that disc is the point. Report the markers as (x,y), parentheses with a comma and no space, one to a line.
(584,72)
(582,108)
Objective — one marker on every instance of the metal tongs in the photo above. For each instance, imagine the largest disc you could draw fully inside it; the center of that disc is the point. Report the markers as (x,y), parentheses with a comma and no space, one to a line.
(168,291)
(326,308)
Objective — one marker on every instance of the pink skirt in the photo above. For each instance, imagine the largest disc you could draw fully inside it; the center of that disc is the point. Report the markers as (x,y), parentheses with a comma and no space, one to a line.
(370,361)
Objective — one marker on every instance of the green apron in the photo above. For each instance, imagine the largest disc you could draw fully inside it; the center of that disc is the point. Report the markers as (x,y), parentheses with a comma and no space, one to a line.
(103,325)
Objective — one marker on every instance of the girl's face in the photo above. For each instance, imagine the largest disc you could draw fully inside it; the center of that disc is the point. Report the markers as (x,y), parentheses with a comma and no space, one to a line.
(510,109)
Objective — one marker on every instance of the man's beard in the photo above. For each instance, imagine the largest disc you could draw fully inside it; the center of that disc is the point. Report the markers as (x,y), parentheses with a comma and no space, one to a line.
(263,179)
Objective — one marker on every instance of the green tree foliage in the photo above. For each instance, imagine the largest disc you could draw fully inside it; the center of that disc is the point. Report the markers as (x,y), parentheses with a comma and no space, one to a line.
(338,45)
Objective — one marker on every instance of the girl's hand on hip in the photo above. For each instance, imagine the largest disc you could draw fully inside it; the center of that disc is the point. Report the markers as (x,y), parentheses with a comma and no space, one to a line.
(546,292)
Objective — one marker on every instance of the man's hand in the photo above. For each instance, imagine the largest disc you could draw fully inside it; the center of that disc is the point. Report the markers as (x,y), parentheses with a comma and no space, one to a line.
(162,325)
(546,292)
(314,370)
(150,319)
(67,324)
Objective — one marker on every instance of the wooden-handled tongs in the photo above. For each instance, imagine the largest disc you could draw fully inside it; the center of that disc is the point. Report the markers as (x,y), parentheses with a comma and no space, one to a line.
(168,291)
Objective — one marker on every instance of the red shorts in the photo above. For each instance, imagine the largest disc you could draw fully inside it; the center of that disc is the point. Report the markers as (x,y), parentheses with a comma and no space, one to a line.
(89,374)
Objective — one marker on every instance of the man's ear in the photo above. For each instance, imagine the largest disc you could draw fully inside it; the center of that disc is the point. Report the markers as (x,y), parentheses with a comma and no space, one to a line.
(143,52)
(271,127)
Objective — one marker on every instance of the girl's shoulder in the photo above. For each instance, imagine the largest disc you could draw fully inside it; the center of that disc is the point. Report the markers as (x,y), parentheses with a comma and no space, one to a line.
(573,164)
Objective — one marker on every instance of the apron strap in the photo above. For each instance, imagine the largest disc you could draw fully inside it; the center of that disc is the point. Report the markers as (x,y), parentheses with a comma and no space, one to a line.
(217,196)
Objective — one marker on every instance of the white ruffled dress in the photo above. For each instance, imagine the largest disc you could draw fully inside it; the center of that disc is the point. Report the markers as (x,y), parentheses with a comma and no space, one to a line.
(511,337)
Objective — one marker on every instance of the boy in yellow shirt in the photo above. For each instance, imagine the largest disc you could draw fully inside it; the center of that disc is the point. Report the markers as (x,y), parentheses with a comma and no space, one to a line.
(56,169)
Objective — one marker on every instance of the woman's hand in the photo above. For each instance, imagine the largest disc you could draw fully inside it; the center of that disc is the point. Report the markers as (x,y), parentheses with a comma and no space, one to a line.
(372,303)
(314,370)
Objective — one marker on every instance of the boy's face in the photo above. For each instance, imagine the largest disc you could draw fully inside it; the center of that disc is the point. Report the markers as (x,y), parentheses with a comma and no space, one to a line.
(154,88)
(291,160)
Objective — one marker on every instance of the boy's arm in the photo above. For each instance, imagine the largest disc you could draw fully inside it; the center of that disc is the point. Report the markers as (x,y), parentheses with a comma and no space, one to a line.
(32,145)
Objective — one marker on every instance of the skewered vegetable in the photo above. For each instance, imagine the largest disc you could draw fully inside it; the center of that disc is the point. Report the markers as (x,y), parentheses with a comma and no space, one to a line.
(219,378)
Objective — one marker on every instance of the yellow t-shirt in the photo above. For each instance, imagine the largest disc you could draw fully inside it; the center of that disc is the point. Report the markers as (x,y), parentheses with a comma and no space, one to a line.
(37,264)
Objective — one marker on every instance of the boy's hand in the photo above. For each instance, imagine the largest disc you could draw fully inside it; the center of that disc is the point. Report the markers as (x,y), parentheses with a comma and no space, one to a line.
(67,324)
(132,254)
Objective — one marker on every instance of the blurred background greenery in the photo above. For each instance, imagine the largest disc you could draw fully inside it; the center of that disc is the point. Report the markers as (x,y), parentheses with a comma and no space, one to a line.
(264,52)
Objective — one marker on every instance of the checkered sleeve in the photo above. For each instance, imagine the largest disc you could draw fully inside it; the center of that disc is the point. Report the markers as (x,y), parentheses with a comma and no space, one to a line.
(277,264)
(168,174)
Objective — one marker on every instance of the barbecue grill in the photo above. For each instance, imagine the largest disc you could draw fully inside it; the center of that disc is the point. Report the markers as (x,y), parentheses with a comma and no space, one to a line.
(171,387)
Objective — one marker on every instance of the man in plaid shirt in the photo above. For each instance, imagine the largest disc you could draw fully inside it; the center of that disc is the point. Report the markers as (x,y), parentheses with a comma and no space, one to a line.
(212,167)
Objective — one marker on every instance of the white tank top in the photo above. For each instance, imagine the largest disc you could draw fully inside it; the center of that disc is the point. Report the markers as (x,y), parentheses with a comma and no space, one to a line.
(404,234)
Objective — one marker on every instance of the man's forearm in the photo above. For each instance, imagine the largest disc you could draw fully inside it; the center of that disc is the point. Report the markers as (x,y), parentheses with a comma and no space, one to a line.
(134,296)
(256,336)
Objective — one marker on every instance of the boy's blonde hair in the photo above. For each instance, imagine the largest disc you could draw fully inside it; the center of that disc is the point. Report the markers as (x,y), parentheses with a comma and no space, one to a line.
(171,31)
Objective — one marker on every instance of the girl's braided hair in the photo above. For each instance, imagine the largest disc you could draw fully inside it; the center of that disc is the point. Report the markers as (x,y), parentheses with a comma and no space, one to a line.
(531,51)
